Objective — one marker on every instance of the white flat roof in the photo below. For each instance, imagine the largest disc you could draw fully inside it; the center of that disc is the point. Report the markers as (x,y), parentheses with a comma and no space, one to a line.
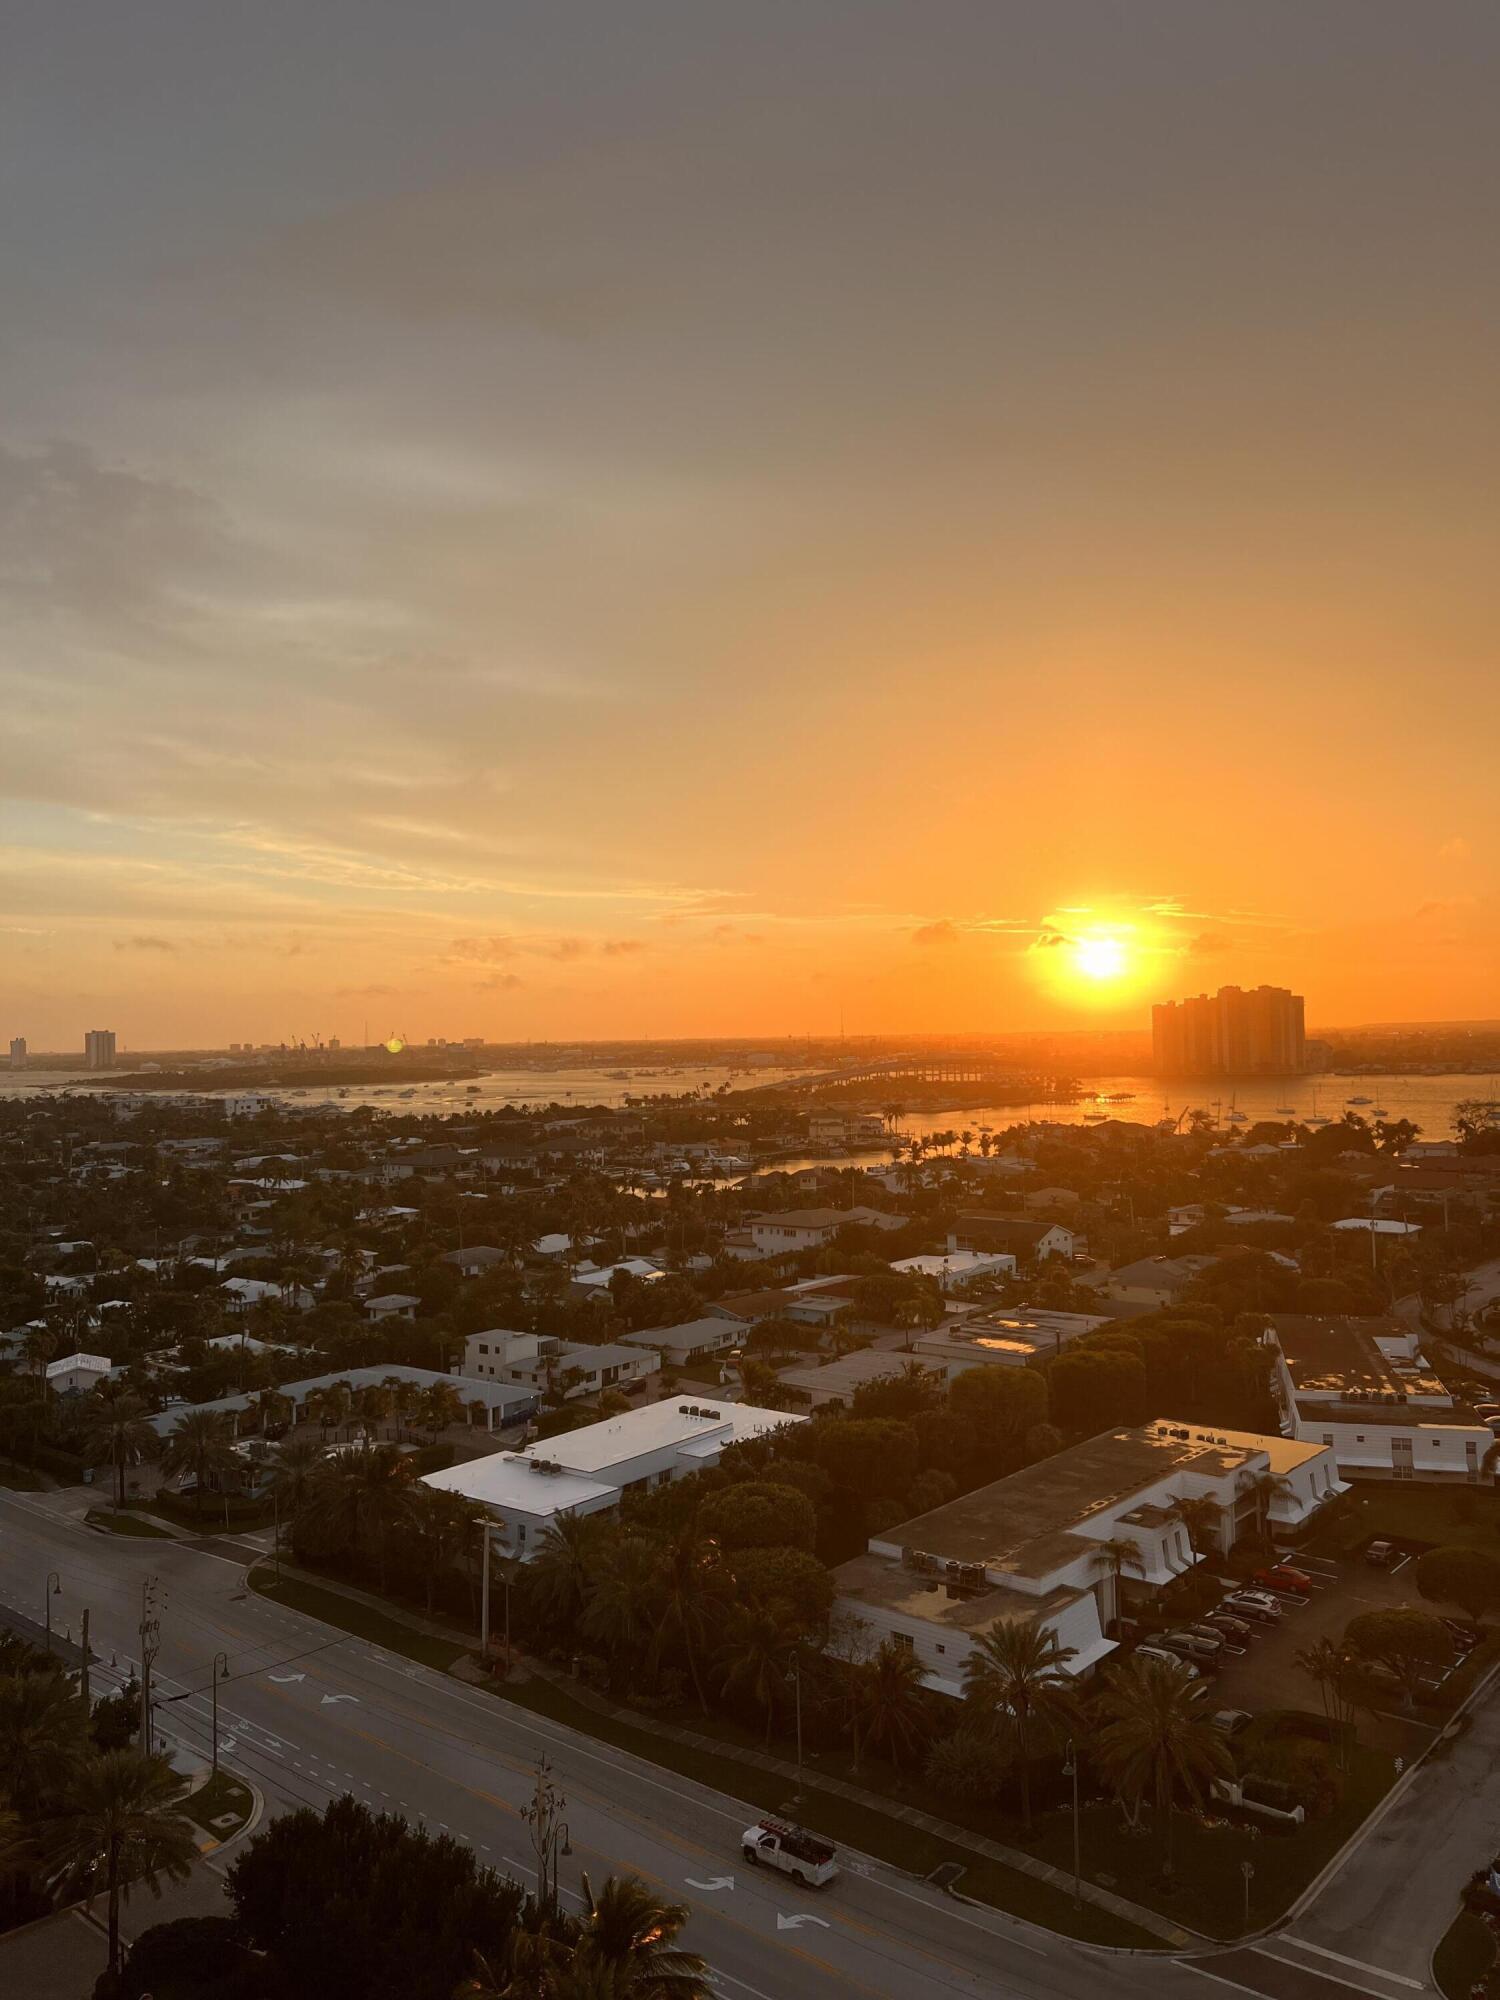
(509,1480)
(596,1447)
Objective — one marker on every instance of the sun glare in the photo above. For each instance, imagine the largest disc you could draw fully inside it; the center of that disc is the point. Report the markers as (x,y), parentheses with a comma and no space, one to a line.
(1100,957)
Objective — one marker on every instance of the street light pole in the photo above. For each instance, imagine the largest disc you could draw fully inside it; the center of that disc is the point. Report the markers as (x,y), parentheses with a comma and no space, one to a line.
(484,1599)
(1071,1770)
(797,1690)
(220,1672)
(53,1589)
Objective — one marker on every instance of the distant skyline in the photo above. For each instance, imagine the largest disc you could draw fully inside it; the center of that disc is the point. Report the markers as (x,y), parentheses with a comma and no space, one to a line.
(563,521)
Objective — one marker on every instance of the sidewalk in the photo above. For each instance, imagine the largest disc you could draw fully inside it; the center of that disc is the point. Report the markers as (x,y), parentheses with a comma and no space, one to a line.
(945,1830)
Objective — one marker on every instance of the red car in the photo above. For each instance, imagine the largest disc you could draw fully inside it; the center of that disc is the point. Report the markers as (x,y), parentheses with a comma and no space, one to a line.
(1282,1577)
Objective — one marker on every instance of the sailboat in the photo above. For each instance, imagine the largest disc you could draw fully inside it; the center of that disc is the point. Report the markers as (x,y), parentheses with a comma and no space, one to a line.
(1315,1119)
(1234,1116)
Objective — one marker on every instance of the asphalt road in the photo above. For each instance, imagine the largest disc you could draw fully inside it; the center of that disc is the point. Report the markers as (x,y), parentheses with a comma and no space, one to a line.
(309,1713)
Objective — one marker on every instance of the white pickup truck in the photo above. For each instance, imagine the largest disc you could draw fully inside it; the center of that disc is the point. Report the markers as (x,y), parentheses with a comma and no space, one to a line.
(772,1843)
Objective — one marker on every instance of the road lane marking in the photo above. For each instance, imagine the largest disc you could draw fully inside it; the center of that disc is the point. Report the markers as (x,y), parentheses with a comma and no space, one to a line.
(1359,1964)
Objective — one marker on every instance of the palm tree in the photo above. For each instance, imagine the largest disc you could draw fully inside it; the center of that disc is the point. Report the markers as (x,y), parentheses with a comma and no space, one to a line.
(1016,1677)
(402,1397)
(115,1429)
(628,1933)
(358,1498)
(370,1408)
(199,1444)
(1157,1739)
(1114,1557)
(755,1658)
(692,1587)
(561,1570)
(619,1612)
(325,1407)
(442,1405)
(1201,1517)
(120,1824)
(294,1466)
(886,1704)
(1329,1667)
(443,1524)
(41,1725)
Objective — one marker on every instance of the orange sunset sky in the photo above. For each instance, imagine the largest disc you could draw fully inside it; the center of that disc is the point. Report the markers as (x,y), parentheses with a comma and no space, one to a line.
(568,520)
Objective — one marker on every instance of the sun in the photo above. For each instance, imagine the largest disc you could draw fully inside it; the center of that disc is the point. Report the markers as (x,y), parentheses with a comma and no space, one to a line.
(1101,958)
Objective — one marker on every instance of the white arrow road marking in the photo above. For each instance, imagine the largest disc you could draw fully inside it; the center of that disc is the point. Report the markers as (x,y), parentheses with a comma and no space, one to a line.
(282,1679)
(796,1923)
(339,1697)
(227,1744)
(714,1882)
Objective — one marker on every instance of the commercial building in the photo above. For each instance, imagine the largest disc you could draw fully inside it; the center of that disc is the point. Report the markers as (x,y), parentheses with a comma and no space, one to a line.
(18,1052)
(1231,1033)
(99,1048)
(1007,1338)
(1363,1389)
(1037,1547)
(586,1471)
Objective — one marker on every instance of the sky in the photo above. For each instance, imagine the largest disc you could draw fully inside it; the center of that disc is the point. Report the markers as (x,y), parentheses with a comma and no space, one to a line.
(570,520)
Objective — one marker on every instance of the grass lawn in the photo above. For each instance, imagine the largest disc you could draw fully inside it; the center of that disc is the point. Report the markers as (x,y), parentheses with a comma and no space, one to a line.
(221,1795)
(1209,1890)
(1421,1516)
(126,1524)
(1464,1956)
(842,1820)
(362,1620)
(19,1478)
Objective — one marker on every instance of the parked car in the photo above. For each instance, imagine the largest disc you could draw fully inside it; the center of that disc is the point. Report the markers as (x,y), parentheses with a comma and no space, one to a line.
(1282,1577)
(1159,1656)
(1464,1635)
(1237,1631)
(1206,1647)
(1378,1674)
(1380,1555)
(1255,1604)
(772,1843)
(1230,1721)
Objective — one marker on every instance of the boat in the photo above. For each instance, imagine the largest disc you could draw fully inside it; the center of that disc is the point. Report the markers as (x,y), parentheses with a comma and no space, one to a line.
(1286,1111)
(1316,1119)
(1357,1100)
(1234,1116)
(471,1090)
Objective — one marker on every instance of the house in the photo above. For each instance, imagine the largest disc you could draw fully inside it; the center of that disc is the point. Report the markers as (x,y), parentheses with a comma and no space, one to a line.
(846,1128)
(1363,1388)
(1024,1238)
(586,1471)
(76,1374)
(795,1229)
(240,1294)
(959,1269)
(833,1386)
(392,1305)
(1036,1547)
(814,1302)
(592,1281)
(1154,1281)
(1010,1337)
(477,1259)
(541,1361)
(692,1340)
(1044,1200)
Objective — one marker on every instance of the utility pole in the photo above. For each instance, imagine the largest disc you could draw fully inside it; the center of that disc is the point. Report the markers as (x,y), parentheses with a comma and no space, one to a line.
(150,1635)
(53,1589)
(220,1672)
(83,1678)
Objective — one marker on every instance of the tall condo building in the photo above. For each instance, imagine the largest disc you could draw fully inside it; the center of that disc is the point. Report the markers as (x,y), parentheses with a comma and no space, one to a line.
(1231,1033)
(18,1052)
(99,1048)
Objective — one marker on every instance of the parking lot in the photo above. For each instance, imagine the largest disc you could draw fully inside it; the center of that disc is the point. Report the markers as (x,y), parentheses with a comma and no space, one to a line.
(1266,1676)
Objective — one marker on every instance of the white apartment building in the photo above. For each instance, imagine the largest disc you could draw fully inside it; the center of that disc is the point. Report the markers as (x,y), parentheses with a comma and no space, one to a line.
(1363,1389)
(76,1374)
(586,1471)
(1036,1546)
(541,1361)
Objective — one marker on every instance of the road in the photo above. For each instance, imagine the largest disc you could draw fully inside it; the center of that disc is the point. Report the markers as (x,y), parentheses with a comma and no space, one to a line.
(309,1713)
